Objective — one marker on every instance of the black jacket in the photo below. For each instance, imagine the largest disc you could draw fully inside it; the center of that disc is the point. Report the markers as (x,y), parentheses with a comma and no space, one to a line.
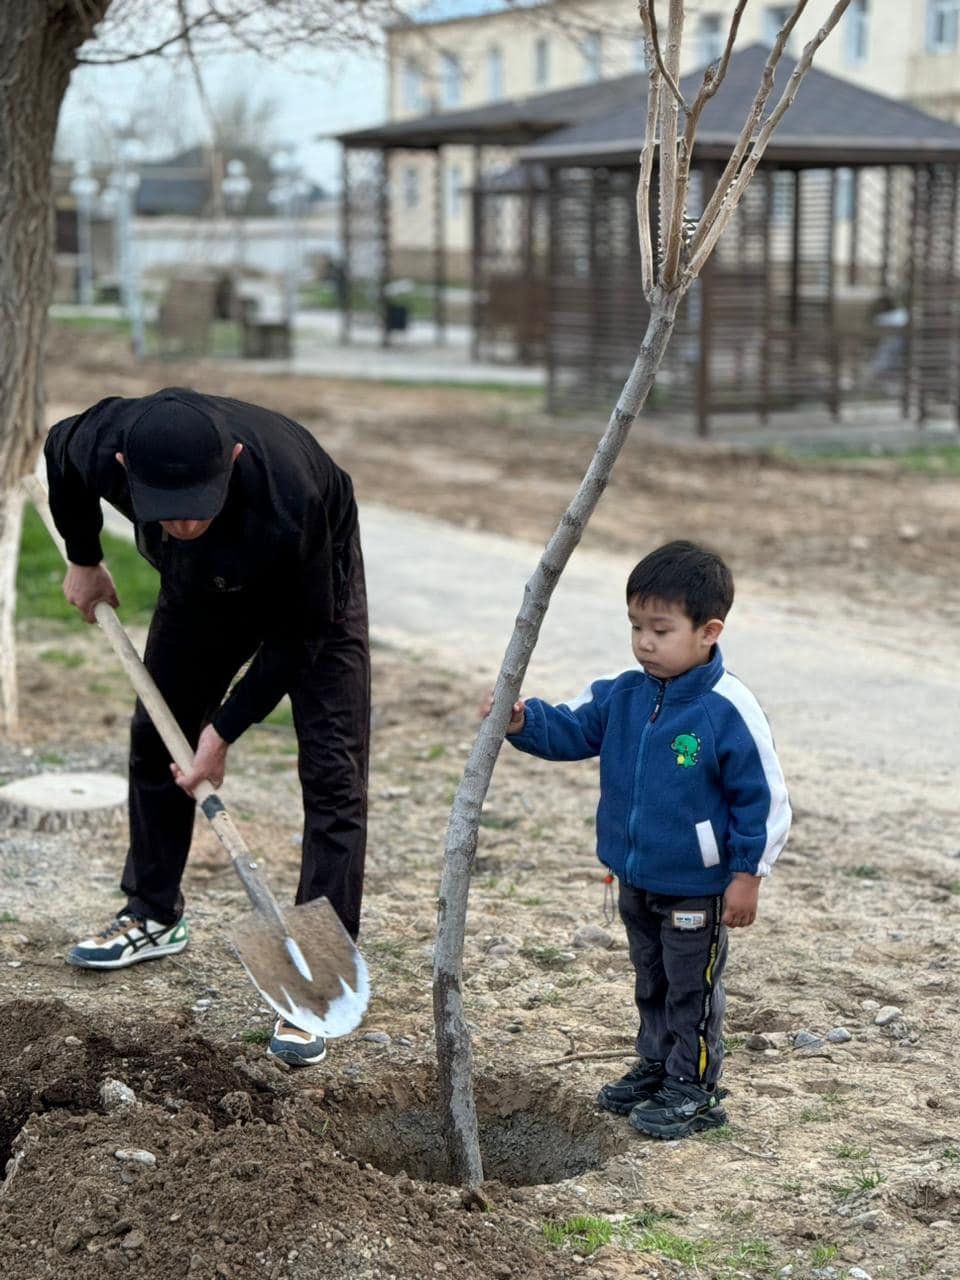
(277,557)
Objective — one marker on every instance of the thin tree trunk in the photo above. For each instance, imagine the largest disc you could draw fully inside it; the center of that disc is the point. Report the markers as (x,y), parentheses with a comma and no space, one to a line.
(453,1040)
(38,44)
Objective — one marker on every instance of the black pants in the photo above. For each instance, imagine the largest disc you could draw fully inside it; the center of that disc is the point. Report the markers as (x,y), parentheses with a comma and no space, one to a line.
(193,653)
(678,948)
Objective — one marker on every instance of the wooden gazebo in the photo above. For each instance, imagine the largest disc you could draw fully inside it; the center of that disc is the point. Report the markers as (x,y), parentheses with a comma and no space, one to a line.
(837,280)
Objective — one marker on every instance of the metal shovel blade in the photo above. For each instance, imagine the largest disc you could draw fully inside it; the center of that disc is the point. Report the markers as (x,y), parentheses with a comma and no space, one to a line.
(313,974)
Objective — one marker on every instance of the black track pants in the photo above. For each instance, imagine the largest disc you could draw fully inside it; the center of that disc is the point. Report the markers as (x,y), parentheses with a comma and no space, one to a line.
(678,948)
(193,653)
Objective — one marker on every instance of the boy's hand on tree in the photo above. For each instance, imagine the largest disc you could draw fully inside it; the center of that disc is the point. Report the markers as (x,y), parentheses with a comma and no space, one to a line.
(85,585)
(740,900)
(517,713)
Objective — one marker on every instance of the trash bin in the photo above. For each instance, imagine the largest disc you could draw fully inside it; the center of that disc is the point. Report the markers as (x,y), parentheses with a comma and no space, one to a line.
(398,316)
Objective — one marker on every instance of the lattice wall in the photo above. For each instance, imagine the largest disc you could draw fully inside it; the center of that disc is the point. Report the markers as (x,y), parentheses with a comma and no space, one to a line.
(829,285)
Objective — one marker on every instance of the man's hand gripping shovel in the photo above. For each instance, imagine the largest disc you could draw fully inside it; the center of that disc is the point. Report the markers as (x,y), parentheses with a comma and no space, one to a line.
(302,961)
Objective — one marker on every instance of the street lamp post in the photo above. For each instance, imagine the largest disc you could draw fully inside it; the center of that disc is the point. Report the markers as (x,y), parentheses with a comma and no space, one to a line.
(287,193)
(84,188)
(236,191)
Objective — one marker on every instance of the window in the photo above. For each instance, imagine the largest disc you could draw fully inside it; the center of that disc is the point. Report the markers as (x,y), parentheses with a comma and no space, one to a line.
(541,62)
(412,85)
(494,72)
(857,31)
(943,25)
(454,191)
(592,56)
(711,37)
(451,80)
(775,17)
(411,188)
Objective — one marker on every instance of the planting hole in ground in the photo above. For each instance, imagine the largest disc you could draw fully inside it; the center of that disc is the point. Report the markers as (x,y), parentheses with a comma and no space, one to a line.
(531,1132)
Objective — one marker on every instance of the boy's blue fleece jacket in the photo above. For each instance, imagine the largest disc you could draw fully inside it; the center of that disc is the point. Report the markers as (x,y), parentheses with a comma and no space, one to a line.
(690,786)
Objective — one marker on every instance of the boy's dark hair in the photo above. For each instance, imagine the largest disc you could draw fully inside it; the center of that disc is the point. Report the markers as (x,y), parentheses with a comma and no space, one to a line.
(685,574)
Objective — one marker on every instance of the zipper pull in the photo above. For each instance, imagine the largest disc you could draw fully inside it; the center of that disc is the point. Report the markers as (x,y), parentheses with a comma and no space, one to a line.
(659,702)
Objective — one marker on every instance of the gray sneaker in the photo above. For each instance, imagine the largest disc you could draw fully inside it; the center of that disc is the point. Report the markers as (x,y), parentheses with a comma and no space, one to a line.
(641,1082)
(295,1047)
(128,940)
(679,1108)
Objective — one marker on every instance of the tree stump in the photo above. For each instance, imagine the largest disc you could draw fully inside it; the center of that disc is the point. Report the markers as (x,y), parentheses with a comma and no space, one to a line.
(64,801)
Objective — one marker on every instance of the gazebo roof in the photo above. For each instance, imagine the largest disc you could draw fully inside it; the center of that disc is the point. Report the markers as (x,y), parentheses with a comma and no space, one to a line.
(832,121)
(509,122)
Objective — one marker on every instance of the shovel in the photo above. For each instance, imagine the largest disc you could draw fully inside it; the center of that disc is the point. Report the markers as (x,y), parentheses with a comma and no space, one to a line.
(302,961)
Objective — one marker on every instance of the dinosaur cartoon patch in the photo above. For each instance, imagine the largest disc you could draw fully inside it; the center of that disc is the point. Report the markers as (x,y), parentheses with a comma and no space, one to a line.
(687,748)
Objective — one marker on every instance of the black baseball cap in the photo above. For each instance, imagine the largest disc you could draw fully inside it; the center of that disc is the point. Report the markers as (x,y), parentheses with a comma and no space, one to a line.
(178,459)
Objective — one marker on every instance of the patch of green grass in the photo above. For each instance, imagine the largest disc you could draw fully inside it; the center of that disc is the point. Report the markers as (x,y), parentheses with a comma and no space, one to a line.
(391,956)
(952,1154)
(845,1152)
(865,872)
(8,917)
(256,1035)
(531,902)
(451,384)
(547,957)
(717,1136)
(668,1245)
(941,459)
(792,1186)
(833,1098)
(733,1042)
(281,716)
(435,752)
(51,757)
(866,1180)
(61,658)
(586,1234)
(494,823)
(752,1253)
(118,325)
(649,1217)
(955,886)
(823,1253)
(41,570)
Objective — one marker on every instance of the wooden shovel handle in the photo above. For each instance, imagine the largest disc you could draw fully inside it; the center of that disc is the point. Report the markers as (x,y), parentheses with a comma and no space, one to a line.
(167,727)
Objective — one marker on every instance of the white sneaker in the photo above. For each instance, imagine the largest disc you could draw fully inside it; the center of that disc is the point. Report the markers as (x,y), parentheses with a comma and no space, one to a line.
(295,1047)
(127,940)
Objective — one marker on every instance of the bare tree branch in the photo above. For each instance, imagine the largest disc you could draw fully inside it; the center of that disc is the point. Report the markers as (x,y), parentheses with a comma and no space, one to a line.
(726,209)
(648,264)
(750,126)
(113,60)
(712,80)
(669,159)
(649,19)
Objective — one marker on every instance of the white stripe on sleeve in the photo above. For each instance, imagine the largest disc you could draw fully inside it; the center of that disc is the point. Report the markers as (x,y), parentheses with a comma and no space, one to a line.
(778,818)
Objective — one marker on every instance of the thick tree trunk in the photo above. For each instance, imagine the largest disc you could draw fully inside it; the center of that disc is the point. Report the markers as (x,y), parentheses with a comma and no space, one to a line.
(38,45)
(453,1039)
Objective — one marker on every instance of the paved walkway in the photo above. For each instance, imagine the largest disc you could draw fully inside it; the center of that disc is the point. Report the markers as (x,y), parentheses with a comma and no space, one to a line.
(835,687)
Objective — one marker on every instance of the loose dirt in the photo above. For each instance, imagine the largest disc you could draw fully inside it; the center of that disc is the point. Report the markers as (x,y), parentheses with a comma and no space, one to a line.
(842,1157)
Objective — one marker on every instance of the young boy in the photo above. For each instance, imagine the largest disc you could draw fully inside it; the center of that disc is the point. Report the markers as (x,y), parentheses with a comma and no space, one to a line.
(693,813)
